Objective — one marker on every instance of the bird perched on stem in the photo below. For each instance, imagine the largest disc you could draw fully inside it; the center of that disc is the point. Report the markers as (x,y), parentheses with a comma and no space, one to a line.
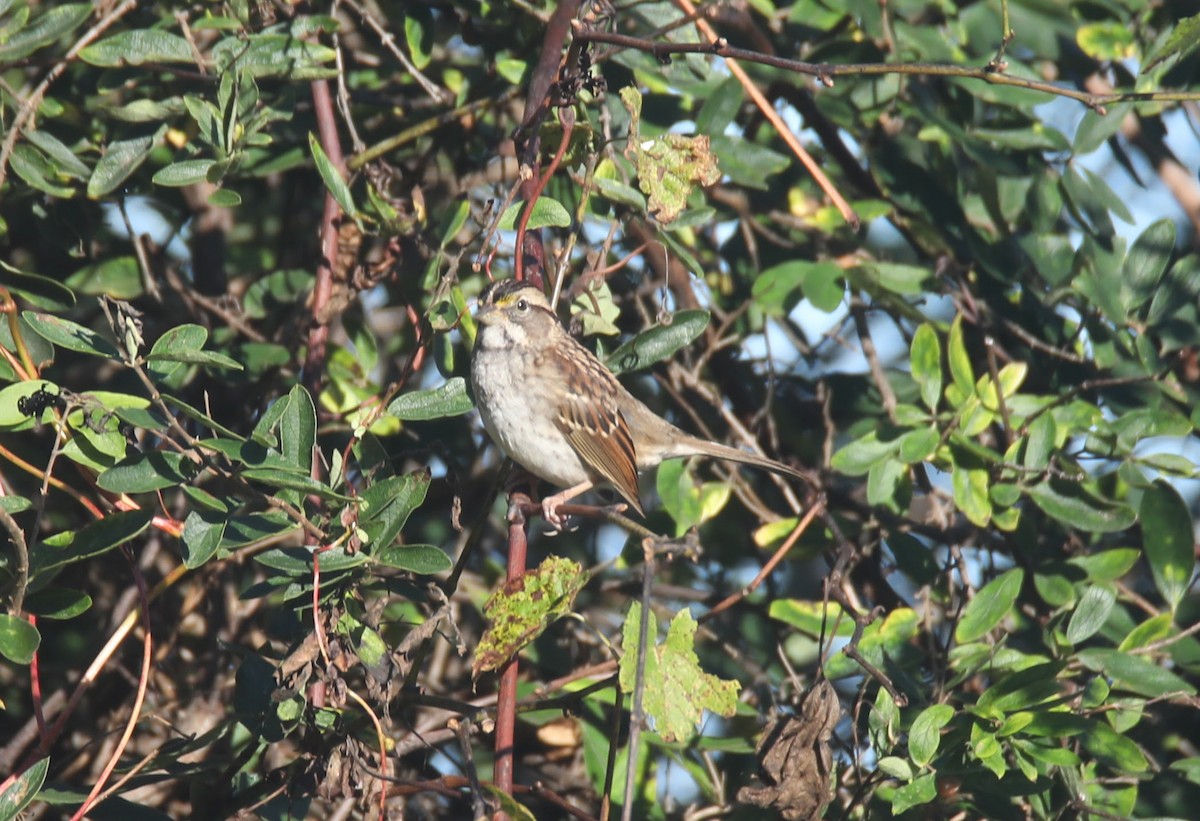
(554,409)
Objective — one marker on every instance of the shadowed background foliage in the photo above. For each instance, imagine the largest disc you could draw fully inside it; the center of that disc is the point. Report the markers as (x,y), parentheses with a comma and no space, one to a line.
(240,243)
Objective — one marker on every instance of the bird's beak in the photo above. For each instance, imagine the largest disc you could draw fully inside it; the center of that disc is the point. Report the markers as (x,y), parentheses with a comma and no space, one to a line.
(486,314)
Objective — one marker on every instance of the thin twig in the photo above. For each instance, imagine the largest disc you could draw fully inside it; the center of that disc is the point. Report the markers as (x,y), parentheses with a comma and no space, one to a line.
(637,712)
(435,92)
(825,72)
(382,739)
(17,600)
(859,312)
(139,698)
(774,561)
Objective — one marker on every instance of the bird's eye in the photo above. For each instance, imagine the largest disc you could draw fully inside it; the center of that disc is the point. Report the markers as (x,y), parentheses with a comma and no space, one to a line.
(522,305)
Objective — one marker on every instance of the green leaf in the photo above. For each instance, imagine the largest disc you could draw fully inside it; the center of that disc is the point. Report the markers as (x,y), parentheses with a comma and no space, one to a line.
(23,789)
(1107,565)
(19,639)
(275,55)
(289,479)
(206,500)
(720,107)
(673,483)
(449,399)
(1043,438)
(184,344)
(224,198)
(1113,749)
(1188,768)
(70,335)
(45,29)
(1107,40)
(825,286)
(121,158)
(453,221)
(1021,690)
(386,506)
(255,527)
(14,504)
(859,456)
(1091,613)
(895,767)
(511,70)
(58,603)
(94,539)
(669,165)
(622,194)
(745,162)
(1095,129)
(924,736)
(418,33)
(145,472)
(920,790)
(1153,629)
(264,428)
(991,604)
(118,277)
(918,445)
(97,451)
(1075,507)
(677,691)
(332,177)
(812,618)
(185,172)
(1099,197)
(898,278)
(298,561)
(1134,673)
(136,47)
(422,559)
(1182,41)
(203,531)
(43,292)
(960,361)
(1168,540)
(521,612)
(885,481)
(658,343)
(1146,262)
(969,480)
(597,310)
(298,433)
(205,358)
(547,213)
(926,362)
(778,289)
(34,168)
(252,454)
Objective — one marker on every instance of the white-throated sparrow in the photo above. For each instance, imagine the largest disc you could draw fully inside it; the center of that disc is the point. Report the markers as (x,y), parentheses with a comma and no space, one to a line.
(551,405)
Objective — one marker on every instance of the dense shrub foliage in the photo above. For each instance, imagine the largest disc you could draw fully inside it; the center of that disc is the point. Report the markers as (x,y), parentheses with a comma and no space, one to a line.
(260,559)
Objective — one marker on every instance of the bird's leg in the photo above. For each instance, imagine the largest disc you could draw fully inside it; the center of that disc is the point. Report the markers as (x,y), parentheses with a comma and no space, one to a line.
(551,503)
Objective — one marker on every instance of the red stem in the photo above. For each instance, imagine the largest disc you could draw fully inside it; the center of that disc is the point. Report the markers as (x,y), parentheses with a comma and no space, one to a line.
(35,688)
(318,335)
(506,700)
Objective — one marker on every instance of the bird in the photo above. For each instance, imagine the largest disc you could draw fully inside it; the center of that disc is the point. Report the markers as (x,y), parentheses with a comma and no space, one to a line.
(553,407)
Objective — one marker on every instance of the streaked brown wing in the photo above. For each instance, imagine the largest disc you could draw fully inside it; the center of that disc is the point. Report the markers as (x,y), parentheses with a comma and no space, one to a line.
(595,428)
